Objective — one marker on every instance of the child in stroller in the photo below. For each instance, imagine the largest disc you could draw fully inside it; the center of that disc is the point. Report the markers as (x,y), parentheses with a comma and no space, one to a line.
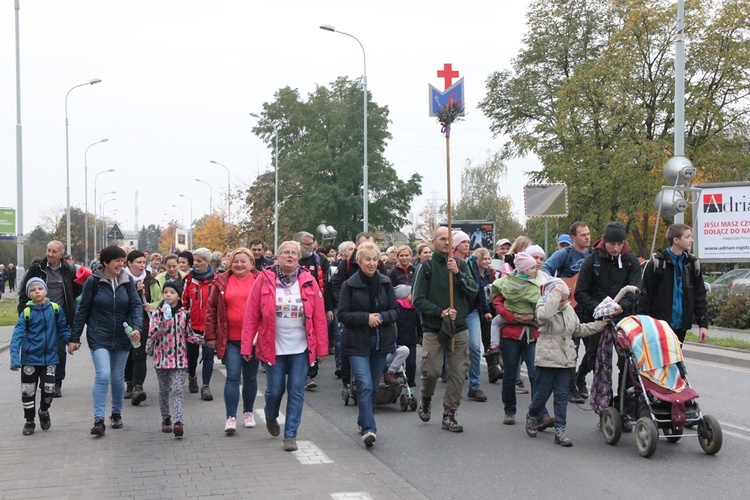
(393,385)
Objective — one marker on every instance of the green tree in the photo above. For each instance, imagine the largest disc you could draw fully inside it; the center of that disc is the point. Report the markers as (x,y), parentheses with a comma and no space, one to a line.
(320,165)
(592,95)
(148,238)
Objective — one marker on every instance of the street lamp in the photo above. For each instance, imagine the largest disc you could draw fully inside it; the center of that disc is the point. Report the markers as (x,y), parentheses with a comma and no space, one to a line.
(275,190)
(182,215)
(210,195)
(190,230)
(67,158)
(86,196)
(229,188)
(365,187)
(96,177)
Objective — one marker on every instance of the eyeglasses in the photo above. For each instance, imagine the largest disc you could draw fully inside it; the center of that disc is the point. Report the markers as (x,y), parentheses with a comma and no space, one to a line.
(292,253)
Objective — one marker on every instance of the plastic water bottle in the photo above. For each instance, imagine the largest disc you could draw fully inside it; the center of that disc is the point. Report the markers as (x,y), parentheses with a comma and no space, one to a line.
(129,333)
(168,313)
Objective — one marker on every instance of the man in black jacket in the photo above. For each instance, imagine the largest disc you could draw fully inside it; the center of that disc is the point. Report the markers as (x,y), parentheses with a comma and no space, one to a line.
(673,288)
(58,276)
(258,249)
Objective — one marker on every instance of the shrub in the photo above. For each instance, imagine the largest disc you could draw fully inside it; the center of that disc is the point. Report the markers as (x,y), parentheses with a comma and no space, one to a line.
(736,312)
(716,301)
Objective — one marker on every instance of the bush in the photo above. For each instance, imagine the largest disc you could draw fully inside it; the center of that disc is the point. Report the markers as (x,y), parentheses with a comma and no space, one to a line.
(734,309)
(716,301)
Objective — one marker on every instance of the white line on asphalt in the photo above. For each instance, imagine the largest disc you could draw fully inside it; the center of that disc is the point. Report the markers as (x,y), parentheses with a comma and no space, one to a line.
(741,436)
(351,495)
(309,454)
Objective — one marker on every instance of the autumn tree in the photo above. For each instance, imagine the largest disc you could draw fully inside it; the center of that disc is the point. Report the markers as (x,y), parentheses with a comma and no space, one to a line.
(210,232)
(167,237)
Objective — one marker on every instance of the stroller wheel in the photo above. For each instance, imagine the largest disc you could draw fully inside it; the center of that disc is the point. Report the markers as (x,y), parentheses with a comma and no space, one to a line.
(345,396)
(611,425)
(709,435)
(646,436)
(412,403)
(403,402)
(672,435)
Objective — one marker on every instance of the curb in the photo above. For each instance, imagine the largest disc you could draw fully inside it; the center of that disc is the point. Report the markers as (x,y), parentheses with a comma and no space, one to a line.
(717,354)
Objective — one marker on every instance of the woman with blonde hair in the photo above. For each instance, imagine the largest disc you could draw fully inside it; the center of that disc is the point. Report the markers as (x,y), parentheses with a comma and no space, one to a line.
(520,244)
(403,272)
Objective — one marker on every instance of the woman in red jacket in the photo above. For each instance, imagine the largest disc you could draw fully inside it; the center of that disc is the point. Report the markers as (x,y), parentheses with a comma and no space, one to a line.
(223,332)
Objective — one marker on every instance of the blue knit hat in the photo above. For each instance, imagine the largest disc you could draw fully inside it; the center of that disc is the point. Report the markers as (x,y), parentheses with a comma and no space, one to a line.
(34,281)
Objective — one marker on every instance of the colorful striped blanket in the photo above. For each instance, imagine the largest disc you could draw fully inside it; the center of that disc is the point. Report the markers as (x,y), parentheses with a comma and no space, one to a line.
(656,349)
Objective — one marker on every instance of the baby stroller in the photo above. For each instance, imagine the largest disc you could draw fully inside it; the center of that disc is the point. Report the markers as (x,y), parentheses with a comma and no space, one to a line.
(386,393)
(655,393)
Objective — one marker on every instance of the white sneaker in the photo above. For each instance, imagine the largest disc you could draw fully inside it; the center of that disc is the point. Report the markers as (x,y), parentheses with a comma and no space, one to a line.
(369,438)
(249,419)
(231,425)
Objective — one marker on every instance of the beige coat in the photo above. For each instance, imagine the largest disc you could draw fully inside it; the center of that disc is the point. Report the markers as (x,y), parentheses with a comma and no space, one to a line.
(555,347)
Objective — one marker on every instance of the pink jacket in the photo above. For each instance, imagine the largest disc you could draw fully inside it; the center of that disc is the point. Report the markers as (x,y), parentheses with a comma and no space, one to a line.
(260,317)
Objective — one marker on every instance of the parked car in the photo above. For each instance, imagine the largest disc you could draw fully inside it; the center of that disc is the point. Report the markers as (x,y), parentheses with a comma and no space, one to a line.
(732,279)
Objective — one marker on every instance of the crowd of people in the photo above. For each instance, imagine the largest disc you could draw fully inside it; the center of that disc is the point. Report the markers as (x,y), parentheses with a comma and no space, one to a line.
(370,309)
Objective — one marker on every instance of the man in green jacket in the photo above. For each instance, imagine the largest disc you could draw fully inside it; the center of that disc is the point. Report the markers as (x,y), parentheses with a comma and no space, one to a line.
(431,298)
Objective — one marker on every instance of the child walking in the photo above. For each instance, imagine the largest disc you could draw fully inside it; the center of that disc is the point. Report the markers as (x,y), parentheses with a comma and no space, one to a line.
(167,345)
(555,355)
(33,350)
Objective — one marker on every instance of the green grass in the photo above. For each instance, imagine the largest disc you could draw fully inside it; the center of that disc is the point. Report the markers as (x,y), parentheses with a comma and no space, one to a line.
(8,312)
(720,342)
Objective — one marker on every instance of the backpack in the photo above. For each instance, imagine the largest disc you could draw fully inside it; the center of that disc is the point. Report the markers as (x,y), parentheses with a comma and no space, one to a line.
(660,267)
(27,313)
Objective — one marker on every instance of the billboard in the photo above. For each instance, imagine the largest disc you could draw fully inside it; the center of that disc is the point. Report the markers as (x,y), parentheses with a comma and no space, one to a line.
(481,233)
(722,222)
(181,239)
(7,221)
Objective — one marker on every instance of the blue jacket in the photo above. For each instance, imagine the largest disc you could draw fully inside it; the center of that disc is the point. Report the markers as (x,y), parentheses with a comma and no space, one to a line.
(38,345)
(104,313)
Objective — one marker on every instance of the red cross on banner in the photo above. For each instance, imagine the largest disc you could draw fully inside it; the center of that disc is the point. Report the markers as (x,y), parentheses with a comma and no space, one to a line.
(448,74)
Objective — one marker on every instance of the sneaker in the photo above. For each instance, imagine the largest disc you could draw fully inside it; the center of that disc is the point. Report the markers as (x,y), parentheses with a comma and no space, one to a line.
(561,438)
(272,426)
(369,438)
(575,397)
(206,394)
(477,395)
(28,428)
(179,429)
(390,378)
(166,425)
(290,444)
(98,429)
(116,420)
(546,422)
(193,384)
(450,423)
(249,419)
(520,388)
(509,419)
(532,425)
(44,420)
(310,384)
(58,391)
(139,395)
(231,426)
(424,409)
(128,390)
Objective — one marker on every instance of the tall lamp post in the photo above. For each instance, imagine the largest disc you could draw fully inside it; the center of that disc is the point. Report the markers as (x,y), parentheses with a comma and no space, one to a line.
(101,213)
(96,178)
(210,195)
(21,269)
(182,215)
(86,189)
(67,159)
(275,189)
(365,185)
(190,229)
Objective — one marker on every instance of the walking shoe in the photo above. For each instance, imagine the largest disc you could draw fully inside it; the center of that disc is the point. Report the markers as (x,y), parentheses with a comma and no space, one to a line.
(369,438)
(139,395)
(424,409)
(166,425)
(290,444)
(450,423)
(28,428)
(494,373)
(98,428)
(272,426)
(310,384)
(231,426)
(390,378)
(520,388)
(116,421)
(206,394)
(193,384)
(249,418)
(532,425)
(337,372)
(179,429)
(546,422)
(477,395)
(509,419)
(575,397)
(44,420)
(581,386)
(58,391)
(561,438)
(128,390)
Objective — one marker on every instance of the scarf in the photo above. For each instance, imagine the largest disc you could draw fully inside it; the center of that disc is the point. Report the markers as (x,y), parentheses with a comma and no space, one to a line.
(405,304)
(136,278)
(372,283)
(286,280)
(205,275)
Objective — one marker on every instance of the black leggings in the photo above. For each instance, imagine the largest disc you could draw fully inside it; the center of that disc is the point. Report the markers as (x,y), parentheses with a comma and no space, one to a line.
(135,367)
(31,377)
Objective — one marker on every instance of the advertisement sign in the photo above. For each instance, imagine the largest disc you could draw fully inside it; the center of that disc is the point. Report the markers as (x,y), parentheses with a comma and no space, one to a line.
(481,233)
(7,220)
(181,239)
(722,222)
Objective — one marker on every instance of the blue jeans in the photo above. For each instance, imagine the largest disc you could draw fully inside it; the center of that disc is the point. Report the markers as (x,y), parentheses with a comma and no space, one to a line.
(290,370)
(110,370)
(207,358)
(475,348)
(367,371)
(239,370)
(549,381)
(513,352)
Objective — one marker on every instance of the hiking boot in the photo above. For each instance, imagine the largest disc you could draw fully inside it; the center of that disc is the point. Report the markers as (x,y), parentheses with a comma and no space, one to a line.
(193,384)
(369,438)
(272,426)
(532,425)
(310,384)
(58,391)
(477,395)
(44,420)
(116,421)
(561,438)
(231,426)
(179,429)
(494,373)
(450,423)
(575,397)
(546,422)
(28,428)
(166,425)
(206,393)
(424,409)
(581,386)
(520,388)
(139,395)
(128,390)
(509,419)
(98,428)
(390,378)
(290,444)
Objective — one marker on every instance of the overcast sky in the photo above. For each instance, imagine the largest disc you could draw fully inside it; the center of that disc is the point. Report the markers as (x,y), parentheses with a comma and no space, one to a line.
(180,77)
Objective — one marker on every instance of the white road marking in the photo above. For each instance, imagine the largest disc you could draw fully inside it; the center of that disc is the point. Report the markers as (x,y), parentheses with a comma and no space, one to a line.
(351,495)
(308,453)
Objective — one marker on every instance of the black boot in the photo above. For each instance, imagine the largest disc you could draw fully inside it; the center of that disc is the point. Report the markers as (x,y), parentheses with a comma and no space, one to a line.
(581,385)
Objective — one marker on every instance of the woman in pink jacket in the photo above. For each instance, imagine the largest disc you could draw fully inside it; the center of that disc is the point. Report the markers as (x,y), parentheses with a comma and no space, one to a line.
(285,320)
